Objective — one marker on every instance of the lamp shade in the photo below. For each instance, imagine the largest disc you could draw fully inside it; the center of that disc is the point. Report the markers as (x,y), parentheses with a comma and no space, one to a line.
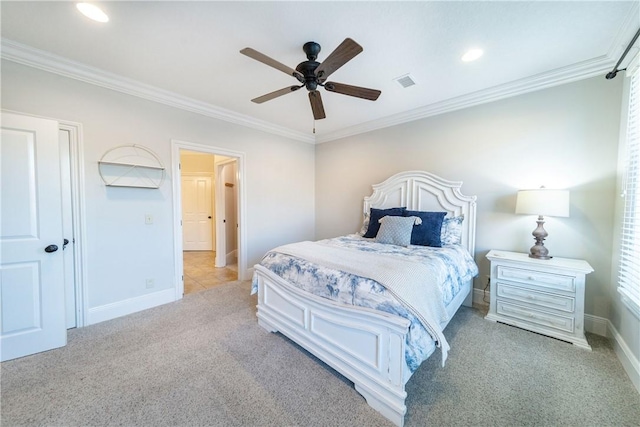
(543,202)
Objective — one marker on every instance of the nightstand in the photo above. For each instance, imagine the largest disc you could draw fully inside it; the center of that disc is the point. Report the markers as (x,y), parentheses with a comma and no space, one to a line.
(543,296)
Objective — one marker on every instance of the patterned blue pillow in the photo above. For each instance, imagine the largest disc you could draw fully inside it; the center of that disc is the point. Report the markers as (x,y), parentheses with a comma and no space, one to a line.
(376,214)
(396,230)
(427,233)
(365,224)
(452,230)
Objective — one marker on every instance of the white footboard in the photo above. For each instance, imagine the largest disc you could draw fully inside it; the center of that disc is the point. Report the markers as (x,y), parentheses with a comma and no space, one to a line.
(364,345)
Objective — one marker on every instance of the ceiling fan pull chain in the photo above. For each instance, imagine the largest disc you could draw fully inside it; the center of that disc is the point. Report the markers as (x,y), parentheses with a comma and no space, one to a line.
(314,126)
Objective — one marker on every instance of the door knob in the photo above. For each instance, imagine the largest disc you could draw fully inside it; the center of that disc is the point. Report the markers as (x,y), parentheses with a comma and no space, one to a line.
(209,217)
(51,248)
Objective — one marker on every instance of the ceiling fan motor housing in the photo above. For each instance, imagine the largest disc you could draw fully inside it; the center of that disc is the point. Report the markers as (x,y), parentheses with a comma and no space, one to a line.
(308,68)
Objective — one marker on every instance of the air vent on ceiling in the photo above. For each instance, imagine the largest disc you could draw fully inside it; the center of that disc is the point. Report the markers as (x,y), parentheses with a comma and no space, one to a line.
(405,81)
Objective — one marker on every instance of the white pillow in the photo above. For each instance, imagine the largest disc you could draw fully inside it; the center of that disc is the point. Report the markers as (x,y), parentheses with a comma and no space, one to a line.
(396,230)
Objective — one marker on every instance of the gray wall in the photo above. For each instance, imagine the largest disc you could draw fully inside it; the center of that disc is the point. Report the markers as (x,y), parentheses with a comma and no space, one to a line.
(562,137)
(121,250)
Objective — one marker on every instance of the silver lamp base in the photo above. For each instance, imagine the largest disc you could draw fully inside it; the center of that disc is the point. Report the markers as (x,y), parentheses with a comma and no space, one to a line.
(539,251)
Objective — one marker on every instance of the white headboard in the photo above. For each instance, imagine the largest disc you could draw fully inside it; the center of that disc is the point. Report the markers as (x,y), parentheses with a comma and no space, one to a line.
(424,191)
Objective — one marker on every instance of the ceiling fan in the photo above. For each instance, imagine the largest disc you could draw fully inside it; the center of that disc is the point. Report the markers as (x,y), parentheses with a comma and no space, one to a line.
(312,74)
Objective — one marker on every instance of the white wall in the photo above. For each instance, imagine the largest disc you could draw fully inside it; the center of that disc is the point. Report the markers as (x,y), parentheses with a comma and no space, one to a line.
(121,250)
(229,174)
(563,137)
(193,162)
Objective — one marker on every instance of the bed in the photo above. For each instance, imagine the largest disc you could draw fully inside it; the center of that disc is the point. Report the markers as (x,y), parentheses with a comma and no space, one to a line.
(372,348)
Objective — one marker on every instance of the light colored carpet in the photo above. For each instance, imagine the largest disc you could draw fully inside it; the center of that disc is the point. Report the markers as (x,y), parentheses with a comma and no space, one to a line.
(205,361)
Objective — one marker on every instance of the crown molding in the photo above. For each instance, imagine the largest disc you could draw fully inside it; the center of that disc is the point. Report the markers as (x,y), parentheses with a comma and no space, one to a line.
(556,77)
(628,28)
(46,61)
(582,70)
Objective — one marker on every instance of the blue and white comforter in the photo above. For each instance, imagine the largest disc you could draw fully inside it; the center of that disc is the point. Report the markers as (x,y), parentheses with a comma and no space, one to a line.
(452,264)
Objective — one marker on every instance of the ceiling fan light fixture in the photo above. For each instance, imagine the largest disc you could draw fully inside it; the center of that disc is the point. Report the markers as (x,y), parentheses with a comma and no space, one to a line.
(472,55)
(92,11)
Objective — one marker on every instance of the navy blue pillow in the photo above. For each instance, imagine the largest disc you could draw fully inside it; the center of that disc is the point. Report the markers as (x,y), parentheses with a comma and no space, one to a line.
(427,233)
(376,214)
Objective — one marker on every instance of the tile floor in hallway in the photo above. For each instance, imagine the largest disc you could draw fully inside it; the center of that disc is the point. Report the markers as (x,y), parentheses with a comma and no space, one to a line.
(200,272)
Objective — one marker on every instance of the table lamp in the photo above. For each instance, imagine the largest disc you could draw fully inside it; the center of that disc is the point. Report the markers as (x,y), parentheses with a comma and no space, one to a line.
(542,202)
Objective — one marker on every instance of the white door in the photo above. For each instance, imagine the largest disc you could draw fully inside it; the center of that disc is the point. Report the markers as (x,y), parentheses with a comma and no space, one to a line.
(197,221)
(31,271)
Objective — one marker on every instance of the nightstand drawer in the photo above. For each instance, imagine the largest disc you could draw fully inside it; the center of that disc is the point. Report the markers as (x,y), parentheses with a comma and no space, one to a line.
(536,278)
(540,318)
(540,299)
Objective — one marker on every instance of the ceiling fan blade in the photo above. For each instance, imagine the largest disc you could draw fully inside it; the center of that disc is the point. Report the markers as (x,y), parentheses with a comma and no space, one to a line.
(316,105)
(346,51)
(360,92)
(254,54)
(275,94)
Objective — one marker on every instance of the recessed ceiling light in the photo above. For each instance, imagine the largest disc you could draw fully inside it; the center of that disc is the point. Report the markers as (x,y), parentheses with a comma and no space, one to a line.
(472,55)
(92,12)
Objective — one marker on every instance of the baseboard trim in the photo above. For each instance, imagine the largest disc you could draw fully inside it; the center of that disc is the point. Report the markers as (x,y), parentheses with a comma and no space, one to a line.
(248,275)
(478,297)
(629,362)
(129,306)
(596,325)
(232,257)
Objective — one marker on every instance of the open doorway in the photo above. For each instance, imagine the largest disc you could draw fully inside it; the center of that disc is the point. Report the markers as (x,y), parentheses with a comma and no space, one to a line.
(201,195)
(208,210)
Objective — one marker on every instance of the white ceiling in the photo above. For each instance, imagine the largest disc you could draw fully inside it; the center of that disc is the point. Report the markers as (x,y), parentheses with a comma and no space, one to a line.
(191,49)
